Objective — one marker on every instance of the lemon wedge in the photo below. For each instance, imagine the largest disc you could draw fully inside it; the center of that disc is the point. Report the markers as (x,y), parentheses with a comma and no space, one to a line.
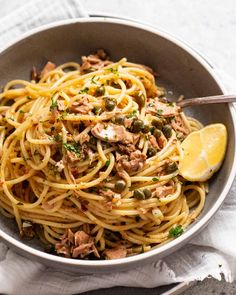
(203,152)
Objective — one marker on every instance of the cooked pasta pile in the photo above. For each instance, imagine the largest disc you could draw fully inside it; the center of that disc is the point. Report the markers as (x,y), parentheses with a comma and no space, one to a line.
(89,159)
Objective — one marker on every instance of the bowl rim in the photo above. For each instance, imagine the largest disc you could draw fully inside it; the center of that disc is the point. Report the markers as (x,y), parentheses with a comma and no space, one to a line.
(191,231)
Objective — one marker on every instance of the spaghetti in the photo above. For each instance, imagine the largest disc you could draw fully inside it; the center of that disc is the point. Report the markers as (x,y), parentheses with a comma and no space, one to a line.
(89,159)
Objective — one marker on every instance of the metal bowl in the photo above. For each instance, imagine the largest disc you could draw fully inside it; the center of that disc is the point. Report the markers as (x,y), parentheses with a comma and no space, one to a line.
(182,71)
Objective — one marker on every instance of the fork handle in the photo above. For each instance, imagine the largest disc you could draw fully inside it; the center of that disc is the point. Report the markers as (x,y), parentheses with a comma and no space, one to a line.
(206,100)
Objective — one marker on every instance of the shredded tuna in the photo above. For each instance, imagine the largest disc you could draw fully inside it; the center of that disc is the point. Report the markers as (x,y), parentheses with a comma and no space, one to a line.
(131,164)
(82,250)
(108,205)
(73,157)
(107,193)
(27,230)
(126,149)
(81,238)
(153,142)
(61,105)
(128,122)
(63,250)
(179,125)
(60,166)
(163,191)
(81,107)
(70,236)
(47,68)
(94,62)
(155,106)
(116,253)
(75,245)
(84,137)
(113,133)
(161,141)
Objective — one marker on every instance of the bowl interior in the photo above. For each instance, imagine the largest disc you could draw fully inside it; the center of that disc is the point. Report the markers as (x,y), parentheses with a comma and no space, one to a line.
(179,72)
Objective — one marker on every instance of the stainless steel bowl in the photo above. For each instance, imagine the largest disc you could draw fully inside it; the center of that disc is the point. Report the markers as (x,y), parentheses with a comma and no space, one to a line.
(182,71)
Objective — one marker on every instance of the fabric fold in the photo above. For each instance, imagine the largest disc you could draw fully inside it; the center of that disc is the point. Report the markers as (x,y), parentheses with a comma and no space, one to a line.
(212,252)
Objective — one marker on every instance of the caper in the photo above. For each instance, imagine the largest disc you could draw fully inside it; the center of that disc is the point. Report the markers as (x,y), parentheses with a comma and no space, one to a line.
(120,186)
(172,167)
(139,195)
(147,192)
(120,120)
(100,91)
(157,133)
(109,104)
(151,152)
(139,98)
(167,130)
(137,126)
(152,129)
(157,123)
(145,129)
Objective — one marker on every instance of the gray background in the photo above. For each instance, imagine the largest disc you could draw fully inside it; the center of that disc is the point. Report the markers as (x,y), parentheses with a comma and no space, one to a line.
(208,26)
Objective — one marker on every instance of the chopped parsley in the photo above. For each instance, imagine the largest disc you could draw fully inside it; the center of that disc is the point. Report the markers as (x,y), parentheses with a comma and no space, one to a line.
(85,90)
(159,112)
(107,163)
(156,179)
(176,231)
(22,112)
(106,138)
(114,71)
(53,104)
(73,147)
(96,110)
(62,116)
(93,80)
(131,115)
(171,104)
(57,138)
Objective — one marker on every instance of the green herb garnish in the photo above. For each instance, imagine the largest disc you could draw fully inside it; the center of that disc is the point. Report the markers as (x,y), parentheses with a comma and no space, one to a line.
(156,179)
(107,163)
(176,231)
(73,147)
(159,112)
(133,114)
(96,110)
(57,138)
(114,71)
(85,90)
(93,80)
(22,112)
(53,104)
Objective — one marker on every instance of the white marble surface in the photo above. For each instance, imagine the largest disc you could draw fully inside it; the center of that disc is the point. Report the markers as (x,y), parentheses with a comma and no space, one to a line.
(208,26)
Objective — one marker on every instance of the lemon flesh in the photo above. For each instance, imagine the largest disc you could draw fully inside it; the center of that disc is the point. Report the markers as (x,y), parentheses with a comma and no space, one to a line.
(203,152)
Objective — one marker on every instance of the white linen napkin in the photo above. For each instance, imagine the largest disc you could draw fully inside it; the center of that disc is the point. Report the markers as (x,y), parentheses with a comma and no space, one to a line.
(212,252)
